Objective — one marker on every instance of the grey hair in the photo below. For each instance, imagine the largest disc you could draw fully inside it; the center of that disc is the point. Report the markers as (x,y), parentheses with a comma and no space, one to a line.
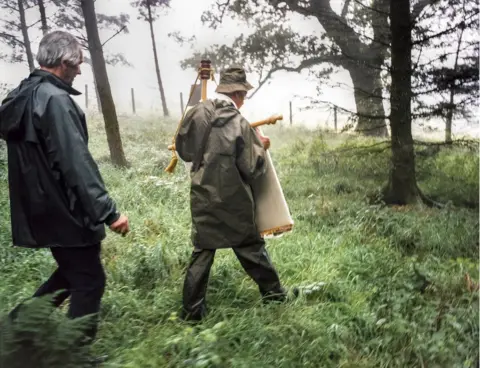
(58,46)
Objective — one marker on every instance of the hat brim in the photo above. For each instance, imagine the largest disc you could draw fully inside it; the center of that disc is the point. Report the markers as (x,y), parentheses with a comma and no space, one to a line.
(234,87)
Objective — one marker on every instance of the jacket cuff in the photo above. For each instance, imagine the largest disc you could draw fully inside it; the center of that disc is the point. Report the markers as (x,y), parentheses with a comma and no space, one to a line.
(114,216)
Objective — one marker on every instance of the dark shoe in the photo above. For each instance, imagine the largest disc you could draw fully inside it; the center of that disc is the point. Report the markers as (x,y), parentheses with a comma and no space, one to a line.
(274,296)
(196,315)
(282,296)
(192,318)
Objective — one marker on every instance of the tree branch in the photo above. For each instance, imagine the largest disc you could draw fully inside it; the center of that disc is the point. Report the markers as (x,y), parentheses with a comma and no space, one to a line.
(303,65)
(116,33)
(374,9)
(7,6)
(225,6)
(431,62)
(7,35)
(27,6)
(35,23)
(84,41)
(294,6)
(361,148)
(381,30)
(345,9)
(364,92)
(379,117)
(343,35)
(447,31)
(356,34)
(12,24)
(420,6)
(216,20)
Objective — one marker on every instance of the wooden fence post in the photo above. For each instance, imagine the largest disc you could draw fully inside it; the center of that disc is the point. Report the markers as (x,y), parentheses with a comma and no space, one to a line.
(291,115)
(335,117)
(181,103)
(133,100)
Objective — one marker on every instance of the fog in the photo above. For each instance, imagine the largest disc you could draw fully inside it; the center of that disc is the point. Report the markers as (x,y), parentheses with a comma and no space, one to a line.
(184,16)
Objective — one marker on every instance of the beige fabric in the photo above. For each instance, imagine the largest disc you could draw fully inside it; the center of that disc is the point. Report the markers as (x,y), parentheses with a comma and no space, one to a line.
(272,213)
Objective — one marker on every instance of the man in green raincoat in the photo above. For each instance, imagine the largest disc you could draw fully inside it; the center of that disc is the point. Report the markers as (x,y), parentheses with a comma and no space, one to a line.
(227,155)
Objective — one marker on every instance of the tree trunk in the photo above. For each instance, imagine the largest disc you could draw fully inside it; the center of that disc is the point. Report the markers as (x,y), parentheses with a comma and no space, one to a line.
(367,86)
(449,118)
(157,68)
(26,39)
(43,16)
(97,95)
(100,74)
(402,188)
(451,102)
(365,62)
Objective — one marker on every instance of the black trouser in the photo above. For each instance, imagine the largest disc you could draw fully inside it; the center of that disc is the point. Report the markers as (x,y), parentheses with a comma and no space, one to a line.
(80,274)
(253,258)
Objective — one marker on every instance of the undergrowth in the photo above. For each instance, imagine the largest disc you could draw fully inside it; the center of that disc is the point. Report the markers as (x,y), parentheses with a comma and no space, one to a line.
(396,285)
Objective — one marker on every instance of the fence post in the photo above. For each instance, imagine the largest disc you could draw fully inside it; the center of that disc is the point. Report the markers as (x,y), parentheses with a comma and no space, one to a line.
(133,100)
(291,116)
(335,116)
(181,103)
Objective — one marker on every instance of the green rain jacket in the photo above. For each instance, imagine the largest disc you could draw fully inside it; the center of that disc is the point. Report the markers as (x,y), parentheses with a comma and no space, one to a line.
(221,199)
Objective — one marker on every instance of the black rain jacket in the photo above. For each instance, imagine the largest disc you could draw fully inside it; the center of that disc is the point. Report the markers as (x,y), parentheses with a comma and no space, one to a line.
(57,195)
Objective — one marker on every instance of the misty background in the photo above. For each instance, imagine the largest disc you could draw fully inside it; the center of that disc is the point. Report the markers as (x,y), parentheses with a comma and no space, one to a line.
(184,17)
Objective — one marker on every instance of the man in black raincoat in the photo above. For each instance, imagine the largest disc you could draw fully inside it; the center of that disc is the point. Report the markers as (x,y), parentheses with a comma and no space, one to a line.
(227,155)
(57,196)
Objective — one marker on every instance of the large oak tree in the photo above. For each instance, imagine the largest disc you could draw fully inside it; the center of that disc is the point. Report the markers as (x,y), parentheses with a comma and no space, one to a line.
(356,39)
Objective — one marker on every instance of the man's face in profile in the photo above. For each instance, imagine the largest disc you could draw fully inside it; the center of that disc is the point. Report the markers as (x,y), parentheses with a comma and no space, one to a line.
(69,71)
(241,98)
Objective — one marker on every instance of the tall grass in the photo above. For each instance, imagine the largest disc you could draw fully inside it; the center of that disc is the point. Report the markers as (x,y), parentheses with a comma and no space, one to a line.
(391,289)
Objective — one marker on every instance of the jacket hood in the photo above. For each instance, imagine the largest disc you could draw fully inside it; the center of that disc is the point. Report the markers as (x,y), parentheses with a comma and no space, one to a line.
(15,105)
(215,111)
(225,112)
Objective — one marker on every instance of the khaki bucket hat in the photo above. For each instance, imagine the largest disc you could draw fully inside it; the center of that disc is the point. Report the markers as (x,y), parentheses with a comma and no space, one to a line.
(232,80)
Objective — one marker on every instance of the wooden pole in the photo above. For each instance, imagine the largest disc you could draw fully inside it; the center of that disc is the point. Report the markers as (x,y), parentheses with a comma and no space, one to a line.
(204,89)
(181,103)
(271,120)
(86,96)
(205,75)
(133,100)
(291,115)
(335,117)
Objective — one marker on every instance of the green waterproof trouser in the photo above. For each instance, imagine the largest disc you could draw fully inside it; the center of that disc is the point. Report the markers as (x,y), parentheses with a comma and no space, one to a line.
(254,260)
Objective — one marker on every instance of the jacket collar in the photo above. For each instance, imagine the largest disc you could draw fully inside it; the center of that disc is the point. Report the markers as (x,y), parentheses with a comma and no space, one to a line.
(52,78)
(221,96)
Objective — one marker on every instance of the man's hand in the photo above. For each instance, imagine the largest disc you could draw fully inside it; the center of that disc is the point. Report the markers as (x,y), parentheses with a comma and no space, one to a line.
(265,140)
(121,225)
